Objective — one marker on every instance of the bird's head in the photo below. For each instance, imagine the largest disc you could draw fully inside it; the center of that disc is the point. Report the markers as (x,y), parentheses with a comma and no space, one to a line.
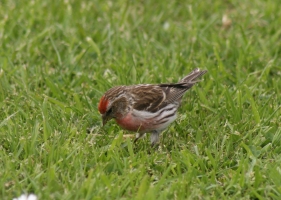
(112,106)
(105,109)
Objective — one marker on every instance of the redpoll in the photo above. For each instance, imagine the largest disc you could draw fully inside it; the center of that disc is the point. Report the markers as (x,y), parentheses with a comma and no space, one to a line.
(146,108)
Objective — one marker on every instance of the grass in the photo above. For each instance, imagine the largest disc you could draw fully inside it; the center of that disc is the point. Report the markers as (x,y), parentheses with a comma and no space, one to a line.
(58,57)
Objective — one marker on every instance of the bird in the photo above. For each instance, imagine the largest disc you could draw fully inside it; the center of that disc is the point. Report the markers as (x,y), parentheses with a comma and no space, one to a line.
(146,108)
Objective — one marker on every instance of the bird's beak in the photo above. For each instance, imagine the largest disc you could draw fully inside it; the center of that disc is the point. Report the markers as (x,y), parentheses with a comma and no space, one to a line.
(105,119)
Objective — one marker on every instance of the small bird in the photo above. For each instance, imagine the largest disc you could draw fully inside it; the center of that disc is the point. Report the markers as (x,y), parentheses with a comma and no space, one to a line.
(146,108)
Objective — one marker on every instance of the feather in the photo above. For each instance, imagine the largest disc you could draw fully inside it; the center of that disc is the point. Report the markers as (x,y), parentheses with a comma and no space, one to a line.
(154,97)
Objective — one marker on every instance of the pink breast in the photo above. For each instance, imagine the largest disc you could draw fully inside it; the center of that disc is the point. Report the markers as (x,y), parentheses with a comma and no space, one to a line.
(130,123)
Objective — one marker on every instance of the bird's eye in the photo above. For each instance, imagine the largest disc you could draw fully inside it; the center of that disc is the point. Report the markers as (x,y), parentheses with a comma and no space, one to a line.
(109,111)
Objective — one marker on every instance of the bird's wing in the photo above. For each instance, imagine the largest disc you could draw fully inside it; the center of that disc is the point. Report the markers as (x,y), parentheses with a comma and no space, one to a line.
(147,97)
(152,98)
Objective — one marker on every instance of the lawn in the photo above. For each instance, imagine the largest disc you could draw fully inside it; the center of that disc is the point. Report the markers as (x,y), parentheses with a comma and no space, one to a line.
(58,57)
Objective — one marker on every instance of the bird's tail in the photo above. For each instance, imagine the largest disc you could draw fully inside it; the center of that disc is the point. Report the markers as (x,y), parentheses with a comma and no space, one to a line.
(192,76)
(175,91)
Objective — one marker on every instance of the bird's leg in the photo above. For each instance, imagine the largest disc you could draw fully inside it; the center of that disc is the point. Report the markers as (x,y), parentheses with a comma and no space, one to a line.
(154,138)
(139,136)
